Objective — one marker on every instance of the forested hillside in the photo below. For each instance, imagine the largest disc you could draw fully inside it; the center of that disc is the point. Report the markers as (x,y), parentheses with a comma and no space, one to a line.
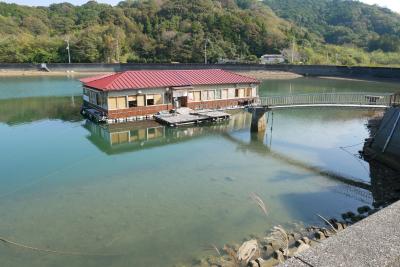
(318,31)
(144,31)
(344,22)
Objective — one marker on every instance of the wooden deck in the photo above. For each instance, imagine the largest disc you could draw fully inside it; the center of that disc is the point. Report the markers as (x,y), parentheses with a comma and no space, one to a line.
(192,117)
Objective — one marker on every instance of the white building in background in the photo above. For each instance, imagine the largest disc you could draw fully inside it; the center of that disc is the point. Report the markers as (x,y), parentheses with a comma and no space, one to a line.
(272,59)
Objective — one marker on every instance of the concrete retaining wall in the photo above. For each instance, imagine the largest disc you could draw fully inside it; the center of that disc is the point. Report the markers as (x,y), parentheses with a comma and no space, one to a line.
(387,125)
(307,70)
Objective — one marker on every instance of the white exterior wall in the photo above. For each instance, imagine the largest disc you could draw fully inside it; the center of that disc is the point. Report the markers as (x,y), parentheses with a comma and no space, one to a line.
(231,90)
(163,92)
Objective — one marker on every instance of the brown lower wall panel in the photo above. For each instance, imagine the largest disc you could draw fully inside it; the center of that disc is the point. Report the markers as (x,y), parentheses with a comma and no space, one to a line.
(217,104)
(138,111)
(151,110)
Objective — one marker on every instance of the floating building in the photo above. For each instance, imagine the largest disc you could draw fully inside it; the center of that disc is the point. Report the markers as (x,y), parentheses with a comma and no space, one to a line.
(137,95)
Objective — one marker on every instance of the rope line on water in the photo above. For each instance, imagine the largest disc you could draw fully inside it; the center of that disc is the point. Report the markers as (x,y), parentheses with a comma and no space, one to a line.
(350,146)
(43,178)
(69,253)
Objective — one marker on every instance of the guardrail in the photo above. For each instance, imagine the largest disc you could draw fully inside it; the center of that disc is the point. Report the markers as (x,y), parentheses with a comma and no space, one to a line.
(345,99)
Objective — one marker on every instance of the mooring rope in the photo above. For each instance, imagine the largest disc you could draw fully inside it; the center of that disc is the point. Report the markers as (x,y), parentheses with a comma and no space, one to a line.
(47,176)
(69,253)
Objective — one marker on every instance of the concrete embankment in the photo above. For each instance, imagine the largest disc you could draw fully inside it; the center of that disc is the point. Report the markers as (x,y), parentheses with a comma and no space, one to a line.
(384,146)
(304,70)
(387,139)
(373,241)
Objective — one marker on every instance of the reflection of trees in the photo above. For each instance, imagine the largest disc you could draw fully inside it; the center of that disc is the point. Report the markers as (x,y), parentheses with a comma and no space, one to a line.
(23,110)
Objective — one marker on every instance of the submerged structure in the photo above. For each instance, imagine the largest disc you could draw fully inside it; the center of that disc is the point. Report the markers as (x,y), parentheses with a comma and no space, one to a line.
(138,95)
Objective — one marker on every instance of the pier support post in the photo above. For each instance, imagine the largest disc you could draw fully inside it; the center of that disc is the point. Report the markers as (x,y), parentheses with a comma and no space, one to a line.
(258,120)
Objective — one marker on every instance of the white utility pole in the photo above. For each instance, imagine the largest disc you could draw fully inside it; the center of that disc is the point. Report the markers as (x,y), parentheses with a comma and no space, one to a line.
(117,50)
(69,54)
(205,51)
(293,50)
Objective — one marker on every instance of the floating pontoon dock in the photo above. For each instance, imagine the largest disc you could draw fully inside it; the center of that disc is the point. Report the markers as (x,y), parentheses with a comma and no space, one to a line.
(187,116)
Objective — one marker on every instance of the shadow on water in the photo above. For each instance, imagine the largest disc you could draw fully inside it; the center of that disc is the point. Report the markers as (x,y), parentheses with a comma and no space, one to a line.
(258,146)
(288,176)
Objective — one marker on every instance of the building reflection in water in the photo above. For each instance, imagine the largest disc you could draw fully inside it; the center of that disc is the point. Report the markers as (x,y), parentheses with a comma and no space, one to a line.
(131,136)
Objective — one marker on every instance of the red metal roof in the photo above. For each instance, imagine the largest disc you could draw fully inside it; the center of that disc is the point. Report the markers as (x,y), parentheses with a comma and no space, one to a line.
(143,79)
(93,78)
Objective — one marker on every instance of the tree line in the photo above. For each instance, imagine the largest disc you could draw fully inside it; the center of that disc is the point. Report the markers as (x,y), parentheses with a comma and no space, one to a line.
(177,31)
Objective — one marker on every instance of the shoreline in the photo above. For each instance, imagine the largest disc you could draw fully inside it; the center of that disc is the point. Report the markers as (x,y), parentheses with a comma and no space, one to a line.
(269,75)
(31,73)
(262,75)
(257,74)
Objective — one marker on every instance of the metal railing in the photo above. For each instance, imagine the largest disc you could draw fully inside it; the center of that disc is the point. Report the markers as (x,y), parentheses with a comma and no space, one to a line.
(345,99)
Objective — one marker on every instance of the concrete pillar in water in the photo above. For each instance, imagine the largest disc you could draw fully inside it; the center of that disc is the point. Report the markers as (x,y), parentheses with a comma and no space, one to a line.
(258,120)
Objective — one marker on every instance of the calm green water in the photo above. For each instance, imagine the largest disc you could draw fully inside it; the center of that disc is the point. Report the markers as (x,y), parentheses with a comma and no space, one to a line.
(70,185)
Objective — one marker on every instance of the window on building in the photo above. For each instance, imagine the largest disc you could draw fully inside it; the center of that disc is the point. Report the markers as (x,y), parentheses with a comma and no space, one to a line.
(204,95)
(158,99)
(211,95)
(99,99)
(248,92)
(218,94)
(154,99)
(112,103)
(149,100)
(190,96)
(121,102)
(231,93)
(224,93)
(132,101)
(241,93)
(254,91)
(104,100)
(197,96)
(140,100)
